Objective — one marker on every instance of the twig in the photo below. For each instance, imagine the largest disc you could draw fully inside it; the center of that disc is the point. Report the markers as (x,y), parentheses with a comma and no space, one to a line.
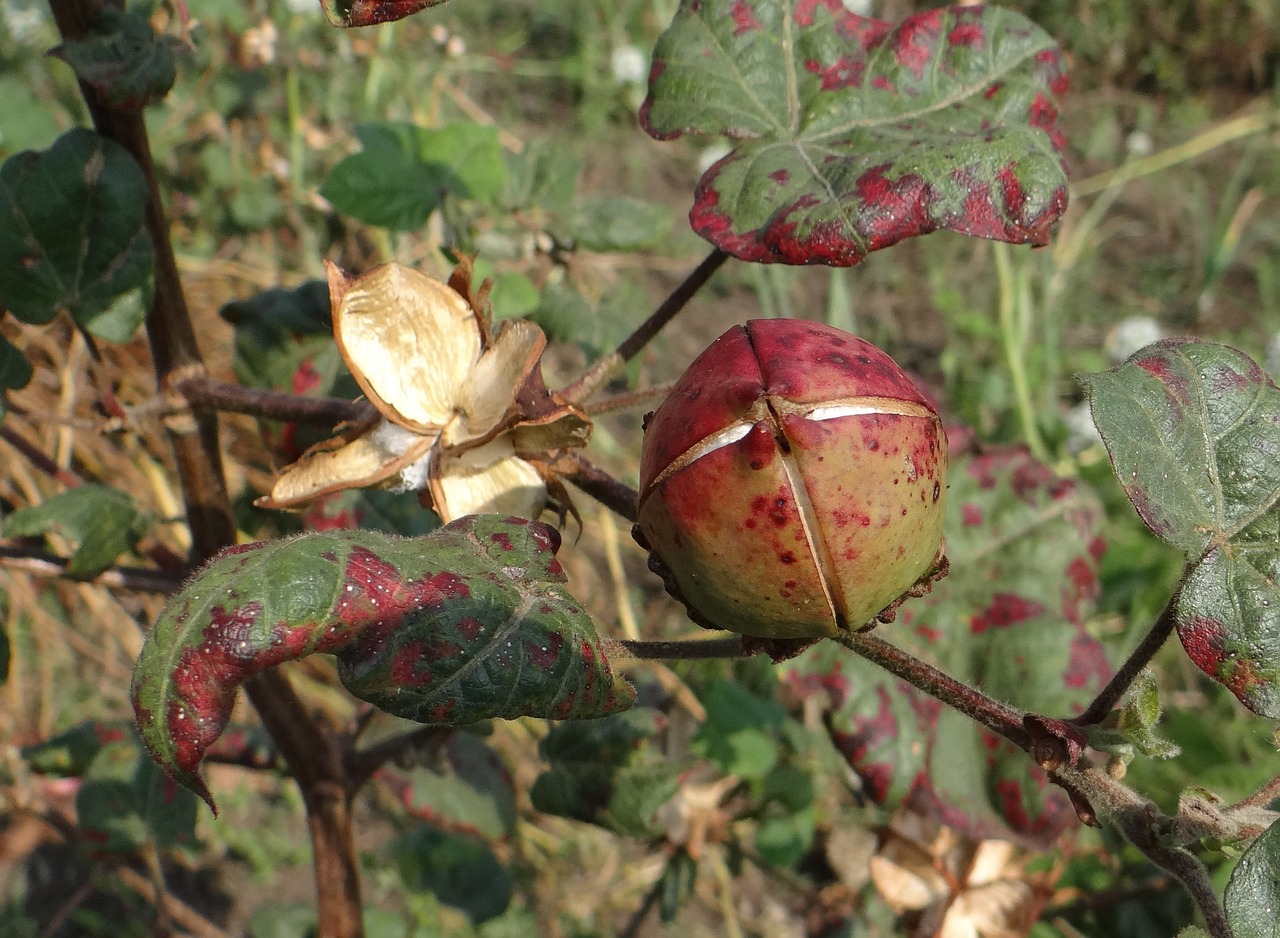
(136,579)
(1128,672)
(182,914)
(632,928)
(39,459)
(582,388)
(201,390)
(362,765)
(73,902)
(1260,798)
(673,304)
(310,748)
(690,650)
(1143,824)
(617,496)
(994,715)
(643,398)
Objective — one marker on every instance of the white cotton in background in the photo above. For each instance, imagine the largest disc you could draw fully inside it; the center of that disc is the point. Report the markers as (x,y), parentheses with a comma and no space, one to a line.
(1131,334)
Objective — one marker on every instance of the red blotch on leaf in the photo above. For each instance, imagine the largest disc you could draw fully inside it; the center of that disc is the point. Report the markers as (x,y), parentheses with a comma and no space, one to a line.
(1087,666)
(844,73)
(1004,610)
(805,10)
(969,35)
(917,37)
(744,18)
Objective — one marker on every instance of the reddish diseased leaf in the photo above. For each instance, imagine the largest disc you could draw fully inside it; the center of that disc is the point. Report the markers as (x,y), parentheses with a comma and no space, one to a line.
(372,12)
(1010,618)
(469,623)
(1193,431)
(855,133)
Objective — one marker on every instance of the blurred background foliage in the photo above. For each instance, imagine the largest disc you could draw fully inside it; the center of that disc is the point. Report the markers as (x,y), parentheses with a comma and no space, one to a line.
(719,806)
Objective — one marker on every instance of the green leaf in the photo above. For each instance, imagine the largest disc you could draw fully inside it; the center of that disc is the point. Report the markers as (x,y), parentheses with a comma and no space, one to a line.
(119,321)
(1010,618)
(1252,896)
(469,623)
(15,370)
(1193,431)
(402,172)
(70,753)
(852,133)
(618,223)
(738,734)
(72,232)
(123,59)
(676,885)
(466,785)
(104,521)
(125,801)
(541,175)
(782,839)
(513,296)
(598,774)
(283,921)
(460,871)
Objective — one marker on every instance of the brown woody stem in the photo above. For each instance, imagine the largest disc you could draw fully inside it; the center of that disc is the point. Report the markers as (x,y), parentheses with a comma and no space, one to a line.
(311,751)
(672,305)
(1128,672)
(581,389)
(690,650)
(135,579)
(1144,825)
(203,391)
(39,459)
(994,715)
(617,496)
(1260,798)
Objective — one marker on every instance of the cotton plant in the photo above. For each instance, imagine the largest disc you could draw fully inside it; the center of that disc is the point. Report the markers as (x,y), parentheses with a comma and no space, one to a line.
(463,415)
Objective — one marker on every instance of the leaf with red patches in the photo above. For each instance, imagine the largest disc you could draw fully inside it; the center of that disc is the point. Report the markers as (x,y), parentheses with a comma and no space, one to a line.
(854,133)
(469,623)
(350,13)
(1193,431)
(1010,619)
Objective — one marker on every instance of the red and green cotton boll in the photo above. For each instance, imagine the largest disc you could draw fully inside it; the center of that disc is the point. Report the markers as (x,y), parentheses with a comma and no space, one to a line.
(792,484)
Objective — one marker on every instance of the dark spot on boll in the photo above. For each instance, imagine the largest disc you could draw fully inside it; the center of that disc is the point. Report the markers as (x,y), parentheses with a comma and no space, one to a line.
(787,557)
(757,465)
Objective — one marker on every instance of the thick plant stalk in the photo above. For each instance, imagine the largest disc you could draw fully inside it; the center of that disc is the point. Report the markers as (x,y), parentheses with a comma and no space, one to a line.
(311,750)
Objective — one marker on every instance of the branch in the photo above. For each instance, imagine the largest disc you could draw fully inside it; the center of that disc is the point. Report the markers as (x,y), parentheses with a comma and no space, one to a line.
(672,305)
(1260,798)
(994,715)
(689,650)
(582,388)
(1143,824)
(39,459)
(361,766)
(136,579)
(311,750)
(617,496)
(203,391)
(1128,672)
